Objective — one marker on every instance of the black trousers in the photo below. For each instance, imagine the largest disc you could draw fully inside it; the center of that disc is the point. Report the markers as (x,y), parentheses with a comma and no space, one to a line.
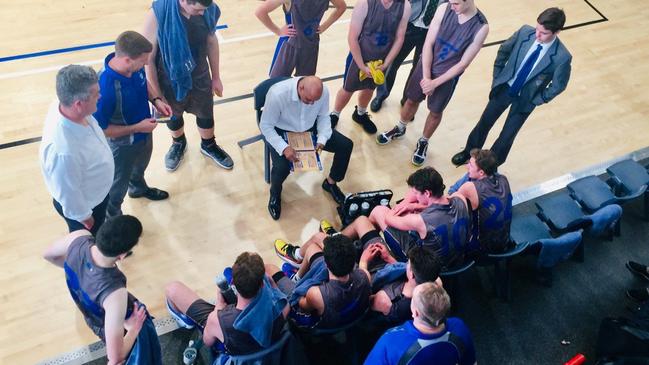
(98,213)
(496,106)
(338,144)
(414,38)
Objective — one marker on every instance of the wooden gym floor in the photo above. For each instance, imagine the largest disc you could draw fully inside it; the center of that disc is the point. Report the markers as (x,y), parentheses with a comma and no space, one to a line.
(213,214)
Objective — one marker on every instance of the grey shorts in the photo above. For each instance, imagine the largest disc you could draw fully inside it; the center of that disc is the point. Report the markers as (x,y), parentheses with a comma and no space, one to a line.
(438,100)
(351,82)
(405,241)
(199,100)
(303,60)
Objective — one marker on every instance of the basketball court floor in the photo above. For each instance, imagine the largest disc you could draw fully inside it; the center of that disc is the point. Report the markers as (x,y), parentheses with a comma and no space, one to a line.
(213,214)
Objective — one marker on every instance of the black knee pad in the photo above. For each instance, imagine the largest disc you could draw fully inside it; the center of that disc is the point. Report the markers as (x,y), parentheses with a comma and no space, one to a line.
(205,123)
(176,123)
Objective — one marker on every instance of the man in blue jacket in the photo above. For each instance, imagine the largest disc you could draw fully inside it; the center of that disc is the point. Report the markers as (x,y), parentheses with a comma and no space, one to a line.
(532,67)
(124,115)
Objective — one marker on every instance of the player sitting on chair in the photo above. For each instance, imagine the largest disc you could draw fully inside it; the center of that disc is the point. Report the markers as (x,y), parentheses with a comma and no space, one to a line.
(491,200)
(250,325)
(327,284)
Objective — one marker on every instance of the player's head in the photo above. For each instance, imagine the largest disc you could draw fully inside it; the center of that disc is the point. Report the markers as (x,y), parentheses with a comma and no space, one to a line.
(117,236)
(339,255)
(194,7)
(427,181)
(248,274)
(482,163)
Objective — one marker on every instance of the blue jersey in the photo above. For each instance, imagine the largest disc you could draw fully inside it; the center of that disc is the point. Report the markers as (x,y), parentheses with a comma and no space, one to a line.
(453,346)
(124,101)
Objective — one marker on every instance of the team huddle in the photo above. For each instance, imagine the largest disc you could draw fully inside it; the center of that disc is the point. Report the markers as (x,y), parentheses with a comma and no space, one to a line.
(382,269)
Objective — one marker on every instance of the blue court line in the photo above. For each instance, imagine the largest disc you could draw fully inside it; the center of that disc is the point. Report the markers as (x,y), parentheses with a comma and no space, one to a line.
(69,49)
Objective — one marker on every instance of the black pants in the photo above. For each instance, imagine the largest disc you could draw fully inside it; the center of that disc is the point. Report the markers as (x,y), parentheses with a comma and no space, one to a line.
(414,38)
(130,163)
(338,144)
(98,213)
(496,106)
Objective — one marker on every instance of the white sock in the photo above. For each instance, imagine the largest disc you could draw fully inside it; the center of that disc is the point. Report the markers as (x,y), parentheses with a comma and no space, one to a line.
(295,278)
(360,110)
(423,139)
(401,125)
(335,113)
(297,255)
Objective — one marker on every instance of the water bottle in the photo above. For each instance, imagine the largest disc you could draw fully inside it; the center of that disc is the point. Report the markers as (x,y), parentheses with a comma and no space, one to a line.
(190,354)
(365,208)
(384,202)
(226,289)
(353,210)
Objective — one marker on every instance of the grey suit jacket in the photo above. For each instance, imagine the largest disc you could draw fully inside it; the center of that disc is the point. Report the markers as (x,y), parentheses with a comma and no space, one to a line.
(547,80)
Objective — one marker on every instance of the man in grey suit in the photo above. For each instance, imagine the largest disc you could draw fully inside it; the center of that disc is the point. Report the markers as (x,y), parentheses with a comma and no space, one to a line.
(532,67)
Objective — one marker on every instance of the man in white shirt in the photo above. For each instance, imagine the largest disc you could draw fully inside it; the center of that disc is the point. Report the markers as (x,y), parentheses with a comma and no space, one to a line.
(532,67)
(76,162)
(298,105)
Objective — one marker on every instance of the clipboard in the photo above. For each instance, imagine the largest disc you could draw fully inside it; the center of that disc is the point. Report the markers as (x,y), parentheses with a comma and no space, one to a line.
(304,145)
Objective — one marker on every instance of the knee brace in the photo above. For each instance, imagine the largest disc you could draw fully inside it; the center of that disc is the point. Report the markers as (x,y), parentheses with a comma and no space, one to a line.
(176,123)
(205,123)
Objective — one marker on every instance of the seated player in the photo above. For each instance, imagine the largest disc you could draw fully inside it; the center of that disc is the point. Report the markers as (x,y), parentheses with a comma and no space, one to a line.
(425,217)
(491,200)
(430,337)
(98,286)
(391,302)
(240,328)
(327,285)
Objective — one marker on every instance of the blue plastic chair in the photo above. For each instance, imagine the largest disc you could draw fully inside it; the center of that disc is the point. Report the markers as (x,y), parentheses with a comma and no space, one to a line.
(502,268)
(561,213)
(631,181)
(259,96)
(591,193)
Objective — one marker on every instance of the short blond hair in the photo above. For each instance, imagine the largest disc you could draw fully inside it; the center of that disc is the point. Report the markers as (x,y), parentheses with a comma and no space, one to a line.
(432,302)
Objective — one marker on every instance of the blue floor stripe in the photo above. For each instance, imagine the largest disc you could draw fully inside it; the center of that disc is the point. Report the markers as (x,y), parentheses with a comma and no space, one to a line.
(69,49)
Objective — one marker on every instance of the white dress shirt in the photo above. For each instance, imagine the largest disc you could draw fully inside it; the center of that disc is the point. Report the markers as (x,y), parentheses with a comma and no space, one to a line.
(544,50)
(284,109)
(76,162)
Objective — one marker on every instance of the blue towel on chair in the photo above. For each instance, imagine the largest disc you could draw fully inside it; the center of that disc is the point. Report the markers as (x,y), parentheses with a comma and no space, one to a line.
(604,219)
(258,317)
(388,274)
(146,350)
(174,48)
(317,274)
(555,250)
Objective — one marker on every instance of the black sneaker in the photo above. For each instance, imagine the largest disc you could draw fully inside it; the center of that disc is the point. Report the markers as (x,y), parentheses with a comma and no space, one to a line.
(638,269)
(376,104)
(335,192)
(387,137)
(364,120)
(639,295)
(334,120)
(419,156)
(218,155)
(175,155)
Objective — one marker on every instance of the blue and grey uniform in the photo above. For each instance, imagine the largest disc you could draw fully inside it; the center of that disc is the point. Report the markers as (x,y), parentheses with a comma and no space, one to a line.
(199,100)
(124,101)
(300,53)
(447,231)
(494,213)
(90,284)
(238,342)
(376,39)
(344,302)
(452,41)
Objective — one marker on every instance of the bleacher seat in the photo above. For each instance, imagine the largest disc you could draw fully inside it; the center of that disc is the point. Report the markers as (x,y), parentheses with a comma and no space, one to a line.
(631,181)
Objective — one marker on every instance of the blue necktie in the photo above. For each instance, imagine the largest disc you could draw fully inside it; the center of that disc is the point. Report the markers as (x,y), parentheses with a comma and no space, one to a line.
(524,72)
